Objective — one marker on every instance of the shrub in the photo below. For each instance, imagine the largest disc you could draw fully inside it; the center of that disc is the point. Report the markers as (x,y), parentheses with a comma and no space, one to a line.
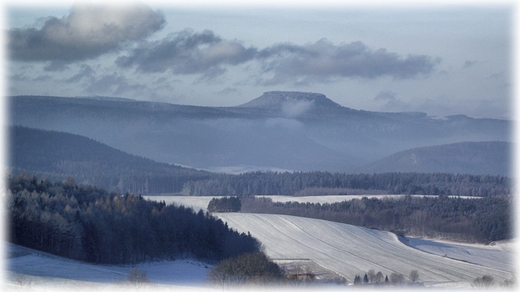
(250,268)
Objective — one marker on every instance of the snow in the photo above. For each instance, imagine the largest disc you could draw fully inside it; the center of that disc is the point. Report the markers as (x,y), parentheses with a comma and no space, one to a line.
(495,256)
(342,249)
(30,268)
(350,250)
(194,202)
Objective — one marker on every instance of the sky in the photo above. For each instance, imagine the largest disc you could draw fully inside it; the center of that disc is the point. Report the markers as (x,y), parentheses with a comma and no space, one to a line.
(439,59)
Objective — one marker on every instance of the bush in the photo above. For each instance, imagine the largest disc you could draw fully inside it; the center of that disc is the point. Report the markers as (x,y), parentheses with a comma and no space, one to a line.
(250,268)
(483,282)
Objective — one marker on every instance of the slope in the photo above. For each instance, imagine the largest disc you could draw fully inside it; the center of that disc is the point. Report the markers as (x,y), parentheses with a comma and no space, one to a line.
(57,155)
(492,157)
(28,269)
(341,248)
(349,250)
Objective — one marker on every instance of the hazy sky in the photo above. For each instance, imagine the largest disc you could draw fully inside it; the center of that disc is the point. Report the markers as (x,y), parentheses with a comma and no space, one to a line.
(442,59)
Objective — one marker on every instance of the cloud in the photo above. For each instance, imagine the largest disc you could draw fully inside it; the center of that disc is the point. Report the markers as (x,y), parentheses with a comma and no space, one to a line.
(86,72)
(386,95)
(293,109)
(188,52)
(289,124)
(87,32)
(323,60)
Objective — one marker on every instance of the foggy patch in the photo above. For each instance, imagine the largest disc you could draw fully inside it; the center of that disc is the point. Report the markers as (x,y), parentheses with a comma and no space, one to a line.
(293,109)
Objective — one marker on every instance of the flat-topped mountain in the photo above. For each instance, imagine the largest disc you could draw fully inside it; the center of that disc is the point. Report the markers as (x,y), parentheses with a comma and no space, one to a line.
(277,99)
(284,130)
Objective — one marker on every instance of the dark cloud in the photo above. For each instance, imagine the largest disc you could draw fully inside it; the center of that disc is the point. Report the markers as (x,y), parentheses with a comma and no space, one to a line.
(42,78)
(56,66)
(228,91)
(187,52)
(87,32)
(18,77)
(323,60)
(205,53)
(85,72)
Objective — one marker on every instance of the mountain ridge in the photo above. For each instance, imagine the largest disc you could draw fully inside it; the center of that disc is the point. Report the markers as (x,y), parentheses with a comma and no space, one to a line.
(293,130)
(276,99)
(488,157)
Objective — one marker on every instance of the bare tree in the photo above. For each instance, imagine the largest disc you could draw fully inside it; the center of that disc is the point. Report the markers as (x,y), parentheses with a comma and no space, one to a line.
(371,275)
(137,278)
(485,281)
(379,277)
(396,278)
(414,275)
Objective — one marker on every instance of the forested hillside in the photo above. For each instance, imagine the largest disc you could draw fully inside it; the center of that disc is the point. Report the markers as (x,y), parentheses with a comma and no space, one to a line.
(58,155)
(490,157)
(88,223)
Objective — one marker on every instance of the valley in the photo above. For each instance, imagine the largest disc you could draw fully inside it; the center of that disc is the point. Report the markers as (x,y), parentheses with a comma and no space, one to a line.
(279,148)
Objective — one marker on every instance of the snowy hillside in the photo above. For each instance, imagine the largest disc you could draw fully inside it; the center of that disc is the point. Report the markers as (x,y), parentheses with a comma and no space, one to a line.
(342,249)
(28,269)
(349,250)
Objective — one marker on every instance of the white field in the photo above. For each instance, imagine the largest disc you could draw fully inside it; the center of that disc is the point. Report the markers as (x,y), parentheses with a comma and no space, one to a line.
(350,250)
(32,270)
(341,248)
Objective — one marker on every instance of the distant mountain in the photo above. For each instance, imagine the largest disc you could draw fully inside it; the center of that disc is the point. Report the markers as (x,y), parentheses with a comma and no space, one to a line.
(278,130)
(58,155)
(280,99)
(466,157)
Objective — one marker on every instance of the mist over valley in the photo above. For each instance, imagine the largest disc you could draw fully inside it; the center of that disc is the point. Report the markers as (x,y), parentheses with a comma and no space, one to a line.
(280,130)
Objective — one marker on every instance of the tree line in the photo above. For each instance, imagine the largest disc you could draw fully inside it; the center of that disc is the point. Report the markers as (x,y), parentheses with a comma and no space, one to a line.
(472,220)
(88,223)
(304,183)
(225,204)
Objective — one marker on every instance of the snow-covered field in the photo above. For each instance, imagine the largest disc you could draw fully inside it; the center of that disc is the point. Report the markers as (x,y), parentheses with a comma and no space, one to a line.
(350,250)
(37,271)
(343,249)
